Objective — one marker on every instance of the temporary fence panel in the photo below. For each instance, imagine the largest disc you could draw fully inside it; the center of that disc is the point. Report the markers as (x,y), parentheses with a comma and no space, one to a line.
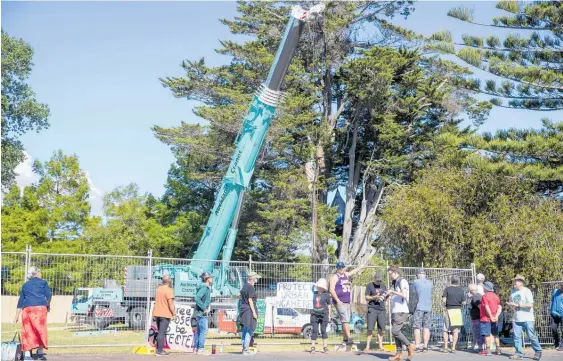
(102,300)
(542,310)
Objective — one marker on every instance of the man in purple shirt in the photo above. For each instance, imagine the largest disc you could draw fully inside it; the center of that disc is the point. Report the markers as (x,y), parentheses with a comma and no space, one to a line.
(340,291)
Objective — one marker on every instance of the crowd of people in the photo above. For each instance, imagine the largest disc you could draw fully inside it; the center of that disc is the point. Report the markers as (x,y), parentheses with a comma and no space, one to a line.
(485,310)
(415,301)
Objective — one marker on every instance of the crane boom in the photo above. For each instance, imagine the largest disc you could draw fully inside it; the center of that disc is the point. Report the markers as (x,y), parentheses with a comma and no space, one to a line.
(228,201)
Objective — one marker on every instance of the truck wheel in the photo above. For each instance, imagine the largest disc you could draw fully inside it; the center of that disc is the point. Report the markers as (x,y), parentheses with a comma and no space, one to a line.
(307,331)
(100,323)
(137,318)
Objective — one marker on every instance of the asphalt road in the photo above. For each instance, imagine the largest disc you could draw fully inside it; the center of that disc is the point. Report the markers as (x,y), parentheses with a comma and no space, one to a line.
(548,355)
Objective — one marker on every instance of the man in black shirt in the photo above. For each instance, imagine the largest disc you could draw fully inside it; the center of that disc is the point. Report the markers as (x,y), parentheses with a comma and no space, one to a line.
(248,311)
(453,299)
(375,295)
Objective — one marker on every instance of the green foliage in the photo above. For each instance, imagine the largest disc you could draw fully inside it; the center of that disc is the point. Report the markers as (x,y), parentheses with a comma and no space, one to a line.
(23,220)
(57,207)
(134,226)
(20,110)
(452,216)
(461,13)
(63,191)
(532,64)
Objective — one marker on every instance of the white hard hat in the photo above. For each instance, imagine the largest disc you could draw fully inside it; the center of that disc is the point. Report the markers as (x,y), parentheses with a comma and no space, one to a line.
(481,277)
(322,283)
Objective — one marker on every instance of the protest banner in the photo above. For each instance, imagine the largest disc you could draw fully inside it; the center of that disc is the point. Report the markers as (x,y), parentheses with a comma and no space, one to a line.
(295,295)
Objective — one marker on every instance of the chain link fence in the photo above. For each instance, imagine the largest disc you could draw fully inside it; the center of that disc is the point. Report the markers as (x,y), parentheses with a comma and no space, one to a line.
(542,308)
(104,300)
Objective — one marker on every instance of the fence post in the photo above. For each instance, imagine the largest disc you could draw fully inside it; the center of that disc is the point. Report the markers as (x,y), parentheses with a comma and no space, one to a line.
(27,259)
(473,275)
(250,263)
(149,290)
(390,314)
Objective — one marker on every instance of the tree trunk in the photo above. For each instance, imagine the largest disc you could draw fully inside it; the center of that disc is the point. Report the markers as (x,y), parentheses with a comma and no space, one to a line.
(367,226)
(351,188)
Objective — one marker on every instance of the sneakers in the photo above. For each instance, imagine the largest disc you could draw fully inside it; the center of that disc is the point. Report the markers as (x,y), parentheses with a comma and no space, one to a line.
(161,353)
(537,356)
(498,352)
(516,357)
(349,341)
(485,353)
(202,352)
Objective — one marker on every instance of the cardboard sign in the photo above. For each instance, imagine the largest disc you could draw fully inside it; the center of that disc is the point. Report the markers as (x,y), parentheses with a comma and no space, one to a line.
(295,295)
(261,310)
(179,335)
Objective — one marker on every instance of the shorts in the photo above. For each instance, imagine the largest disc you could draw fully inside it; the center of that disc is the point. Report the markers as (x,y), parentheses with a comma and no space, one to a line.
(421,319)
(379,316)
(489,328)
(447,326)
(345,312)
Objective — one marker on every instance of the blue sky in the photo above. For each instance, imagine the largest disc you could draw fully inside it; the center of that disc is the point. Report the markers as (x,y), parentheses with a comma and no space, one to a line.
(97,66)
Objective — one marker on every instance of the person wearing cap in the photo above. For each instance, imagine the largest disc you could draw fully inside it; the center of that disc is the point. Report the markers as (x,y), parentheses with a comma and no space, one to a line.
(422,317)
(202,302)
(321,313)
(522,302)
(480,283)
(248,311)
(490,312)
(375,295)
(340,291)
(557,316)
(163,311)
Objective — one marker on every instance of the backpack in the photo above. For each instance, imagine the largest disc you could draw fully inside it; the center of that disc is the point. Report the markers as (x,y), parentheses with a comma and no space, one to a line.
(413,296)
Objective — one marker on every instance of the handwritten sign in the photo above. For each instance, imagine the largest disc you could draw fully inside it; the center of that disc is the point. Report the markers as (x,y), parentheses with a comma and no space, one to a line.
(295,295)
(261,309)
(179,335)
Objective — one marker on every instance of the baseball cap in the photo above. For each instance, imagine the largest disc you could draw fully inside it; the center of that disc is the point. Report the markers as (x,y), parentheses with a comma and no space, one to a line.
(253,274)
(340,265)
(378,277)
(481,277)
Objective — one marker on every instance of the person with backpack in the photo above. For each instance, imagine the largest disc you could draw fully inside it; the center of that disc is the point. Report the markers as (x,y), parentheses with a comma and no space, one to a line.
(321,314)
(375,295)
(400,312)
(421,301)
(453,299)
